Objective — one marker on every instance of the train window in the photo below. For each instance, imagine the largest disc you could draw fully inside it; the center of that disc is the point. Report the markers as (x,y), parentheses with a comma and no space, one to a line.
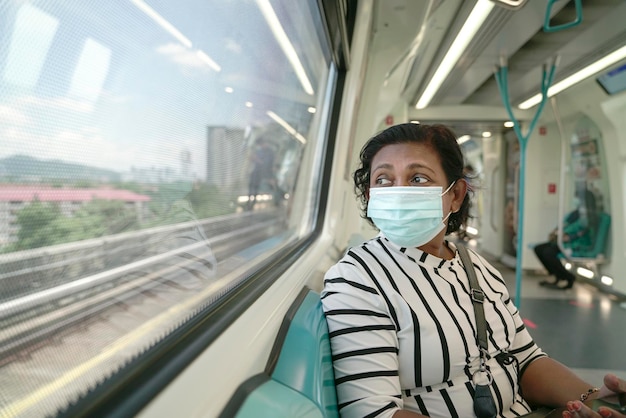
(154,154)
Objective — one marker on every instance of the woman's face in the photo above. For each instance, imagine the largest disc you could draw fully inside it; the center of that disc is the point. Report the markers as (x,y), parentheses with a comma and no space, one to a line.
(411,164)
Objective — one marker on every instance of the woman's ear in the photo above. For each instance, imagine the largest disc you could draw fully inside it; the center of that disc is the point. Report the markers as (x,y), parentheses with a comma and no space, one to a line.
(459,190)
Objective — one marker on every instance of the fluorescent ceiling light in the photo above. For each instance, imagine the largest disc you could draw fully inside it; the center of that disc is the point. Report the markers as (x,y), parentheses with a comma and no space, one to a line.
(586,72)
(470,27)
(462,139)
(162,22)
(287,126)
(91,71)
(29,47)
(285,44)
(509,124)
(207,60)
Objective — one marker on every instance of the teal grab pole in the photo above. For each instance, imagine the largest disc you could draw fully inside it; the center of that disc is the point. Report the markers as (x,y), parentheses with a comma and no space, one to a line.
(502,81)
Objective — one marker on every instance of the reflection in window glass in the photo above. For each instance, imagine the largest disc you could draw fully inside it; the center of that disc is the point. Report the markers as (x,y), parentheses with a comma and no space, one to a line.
(32,35)
(153,152)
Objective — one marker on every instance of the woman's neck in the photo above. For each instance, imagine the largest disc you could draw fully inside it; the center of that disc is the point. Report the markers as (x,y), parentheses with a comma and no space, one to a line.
(439,248)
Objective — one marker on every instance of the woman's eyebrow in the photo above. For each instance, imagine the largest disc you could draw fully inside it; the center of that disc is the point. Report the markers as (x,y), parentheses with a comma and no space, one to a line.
(414,166)
(383,165)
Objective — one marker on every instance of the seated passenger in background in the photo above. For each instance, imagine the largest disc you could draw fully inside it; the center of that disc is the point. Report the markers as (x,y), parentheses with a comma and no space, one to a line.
(399,308)
(576,235)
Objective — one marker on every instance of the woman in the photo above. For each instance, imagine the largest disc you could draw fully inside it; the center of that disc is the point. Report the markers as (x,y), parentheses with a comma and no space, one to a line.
(399,311)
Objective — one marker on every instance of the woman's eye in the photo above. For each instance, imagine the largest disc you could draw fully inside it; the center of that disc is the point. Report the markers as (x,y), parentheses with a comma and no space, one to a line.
(383,181)
(419,180)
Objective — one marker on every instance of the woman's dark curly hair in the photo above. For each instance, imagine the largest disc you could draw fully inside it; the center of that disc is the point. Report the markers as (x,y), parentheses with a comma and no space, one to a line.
(440,138)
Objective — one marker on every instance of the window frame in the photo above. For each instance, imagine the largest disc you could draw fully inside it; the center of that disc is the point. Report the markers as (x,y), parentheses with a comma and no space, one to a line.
(128,391)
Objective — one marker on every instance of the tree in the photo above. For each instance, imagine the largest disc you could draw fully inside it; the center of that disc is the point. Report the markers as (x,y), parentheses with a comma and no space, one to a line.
(207,201)
(36,225)
(43,224)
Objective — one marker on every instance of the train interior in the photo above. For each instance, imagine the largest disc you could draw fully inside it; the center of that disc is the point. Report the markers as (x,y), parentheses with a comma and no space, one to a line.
(171,196)
(517,38)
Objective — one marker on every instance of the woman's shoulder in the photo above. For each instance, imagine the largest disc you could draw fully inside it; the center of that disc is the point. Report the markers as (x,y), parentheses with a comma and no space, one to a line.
(357,265)
(474,253)
(354,257)
(481,260)
(361,248)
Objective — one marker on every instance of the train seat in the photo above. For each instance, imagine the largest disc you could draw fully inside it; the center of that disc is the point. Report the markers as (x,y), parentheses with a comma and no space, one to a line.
(299,378)
(271,399)
(597,251)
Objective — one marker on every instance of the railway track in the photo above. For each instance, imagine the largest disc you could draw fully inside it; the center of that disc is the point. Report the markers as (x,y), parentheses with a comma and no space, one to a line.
(135,303)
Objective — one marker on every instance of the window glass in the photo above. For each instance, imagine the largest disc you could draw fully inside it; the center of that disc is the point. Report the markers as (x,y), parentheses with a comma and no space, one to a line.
(153,152)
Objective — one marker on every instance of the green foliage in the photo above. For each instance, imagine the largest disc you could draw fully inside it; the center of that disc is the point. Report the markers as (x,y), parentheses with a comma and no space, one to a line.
(207,201)
(43,224)
(203,201)
(37,226)
(104,217)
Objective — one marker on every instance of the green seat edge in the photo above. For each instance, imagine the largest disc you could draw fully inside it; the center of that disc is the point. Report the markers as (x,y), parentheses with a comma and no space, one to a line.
(304,361)
(262,397)
(601,237)
(299,371)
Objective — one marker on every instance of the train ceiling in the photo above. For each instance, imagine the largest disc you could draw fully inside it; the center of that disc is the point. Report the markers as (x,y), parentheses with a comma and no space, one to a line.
(410,38)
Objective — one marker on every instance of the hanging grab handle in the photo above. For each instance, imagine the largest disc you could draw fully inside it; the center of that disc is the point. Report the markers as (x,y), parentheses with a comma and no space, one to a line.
(579,17)
(501,75)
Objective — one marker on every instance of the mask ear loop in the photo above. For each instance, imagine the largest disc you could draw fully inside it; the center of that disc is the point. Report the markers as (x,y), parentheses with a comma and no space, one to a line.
(448,189)
(445,220)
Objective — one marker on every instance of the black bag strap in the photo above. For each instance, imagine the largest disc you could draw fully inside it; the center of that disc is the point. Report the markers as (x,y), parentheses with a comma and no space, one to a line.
(478,297)
(484,405)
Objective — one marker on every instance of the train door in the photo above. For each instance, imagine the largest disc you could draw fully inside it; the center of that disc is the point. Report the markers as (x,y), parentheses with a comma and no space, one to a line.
(589,198)
(473,170)
(511,152)
(491,195)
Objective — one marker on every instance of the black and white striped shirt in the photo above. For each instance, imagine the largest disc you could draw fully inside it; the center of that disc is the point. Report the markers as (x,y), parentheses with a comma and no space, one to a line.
(403,333)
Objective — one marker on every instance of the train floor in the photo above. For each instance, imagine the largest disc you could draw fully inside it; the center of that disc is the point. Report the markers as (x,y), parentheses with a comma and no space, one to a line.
(582,327)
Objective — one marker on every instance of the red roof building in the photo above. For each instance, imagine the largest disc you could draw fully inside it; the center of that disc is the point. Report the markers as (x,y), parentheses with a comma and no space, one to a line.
(13,198)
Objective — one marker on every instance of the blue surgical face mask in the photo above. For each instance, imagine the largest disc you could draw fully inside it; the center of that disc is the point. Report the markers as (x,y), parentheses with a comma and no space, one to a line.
(408,216)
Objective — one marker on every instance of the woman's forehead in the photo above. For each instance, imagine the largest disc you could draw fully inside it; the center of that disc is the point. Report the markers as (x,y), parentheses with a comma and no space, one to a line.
(407,153)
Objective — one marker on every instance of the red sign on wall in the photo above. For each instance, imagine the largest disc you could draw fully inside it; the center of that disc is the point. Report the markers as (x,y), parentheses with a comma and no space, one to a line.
(551,188)
(543,130)
(389,120)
